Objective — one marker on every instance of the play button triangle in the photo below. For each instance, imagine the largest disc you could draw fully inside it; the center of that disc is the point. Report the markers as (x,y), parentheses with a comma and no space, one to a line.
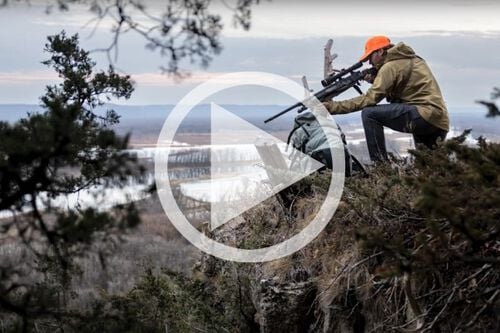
(272,172)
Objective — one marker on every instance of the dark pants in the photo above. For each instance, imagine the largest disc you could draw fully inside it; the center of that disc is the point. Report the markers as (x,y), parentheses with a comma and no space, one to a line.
(401,118)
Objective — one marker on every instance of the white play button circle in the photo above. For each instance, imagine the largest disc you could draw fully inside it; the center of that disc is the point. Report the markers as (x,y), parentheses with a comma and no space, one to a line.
(231,194)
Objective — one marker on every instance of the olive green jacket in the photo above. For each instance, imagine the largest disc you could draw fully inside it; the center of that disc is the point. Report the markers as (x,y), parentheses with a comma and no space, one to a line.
(421,88)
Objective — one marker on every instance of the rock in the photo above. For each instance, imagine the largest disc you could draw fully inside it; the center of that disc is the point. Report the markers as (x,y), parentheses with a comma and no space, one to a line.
(285,307)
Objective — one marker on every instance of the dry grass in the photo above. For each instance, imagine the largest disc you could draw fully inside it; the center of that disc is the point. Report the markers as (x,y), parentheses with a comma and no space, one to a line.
(380,265)
(116,268)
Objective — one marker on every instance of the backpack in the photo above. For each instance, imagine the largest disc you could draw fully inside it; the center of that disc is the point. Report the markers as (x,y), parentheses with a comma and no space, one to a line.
(309,137)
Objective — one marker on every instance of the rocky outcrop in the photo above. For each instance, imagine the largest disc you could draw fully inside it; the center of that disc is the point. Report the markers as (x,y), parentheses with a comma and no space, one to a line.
(382,264)
(278,296)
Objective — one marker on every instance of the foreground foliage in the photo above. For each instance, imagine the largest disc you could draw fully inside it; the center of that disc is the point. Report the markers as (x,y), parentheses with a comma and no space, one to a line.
(432,233)
(413,247)
(68,148)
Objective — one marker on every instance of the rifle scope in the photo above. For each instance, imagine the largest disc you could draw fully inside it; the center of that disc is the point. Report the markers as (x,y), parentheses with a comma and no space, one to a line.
(329,79)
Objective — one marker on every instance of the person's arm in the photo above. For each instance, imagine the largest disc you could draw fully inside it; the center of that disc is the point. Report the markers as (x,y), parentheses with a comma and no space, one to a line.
(383,83)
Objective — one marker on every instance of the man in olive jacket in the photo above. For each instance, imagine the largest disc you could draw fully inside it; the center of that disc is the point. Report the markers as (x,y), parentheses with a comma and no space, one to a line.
(406,82)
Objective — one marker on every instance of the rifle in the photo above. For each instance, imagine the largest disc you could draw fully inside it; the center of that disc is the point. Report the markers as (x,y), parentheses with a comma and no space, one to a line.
(334,85)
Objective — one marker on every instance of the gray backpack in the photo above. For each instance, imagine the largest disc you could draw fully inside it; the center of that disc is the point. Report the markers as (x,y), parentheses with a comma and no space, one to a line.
(310,138)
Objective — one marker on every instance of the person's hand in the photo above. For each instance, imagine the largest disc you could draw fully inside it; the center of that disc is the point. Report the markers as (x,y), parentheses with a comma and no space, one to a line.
(370,75)
(369,78)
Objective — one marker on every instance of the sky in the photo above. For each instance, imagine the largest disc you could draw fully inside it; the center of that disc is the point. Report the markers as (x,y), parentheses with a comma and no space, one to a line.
(459,39)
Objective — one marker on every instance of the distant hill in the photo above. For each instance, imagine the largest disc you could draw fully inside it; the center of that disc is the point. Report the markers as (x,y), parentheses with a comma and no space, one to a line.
(13,112)
(145,118)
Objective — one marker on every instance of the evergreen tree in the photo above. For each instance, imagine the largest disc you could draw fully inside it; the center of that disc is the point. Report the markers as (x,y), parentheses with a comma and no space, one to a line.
(68,148)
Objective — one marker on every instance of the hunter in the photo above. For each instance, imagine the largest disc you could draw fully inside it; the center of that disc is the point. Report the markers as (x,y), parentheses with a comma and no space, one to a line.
(406,82)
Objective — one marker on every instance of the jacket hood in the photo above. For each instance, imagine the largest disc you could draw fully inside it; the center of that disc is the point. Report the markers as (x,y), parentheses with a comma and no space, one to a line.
(399,51)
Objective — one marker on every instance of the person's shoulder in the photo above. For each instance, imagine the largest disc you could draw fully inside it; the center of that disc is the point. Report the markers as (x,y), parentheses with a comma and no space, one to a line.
(389,67)
(395,65)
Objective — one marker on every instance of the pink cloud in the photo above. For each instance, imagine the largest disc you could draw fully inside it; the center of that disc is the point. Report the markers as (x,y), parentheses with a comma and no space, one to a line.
(27,77)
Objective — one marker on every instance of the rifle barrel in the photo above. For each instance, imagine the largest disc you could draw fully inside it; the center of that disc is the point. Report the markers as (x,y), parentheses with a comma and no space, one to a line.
(283,112)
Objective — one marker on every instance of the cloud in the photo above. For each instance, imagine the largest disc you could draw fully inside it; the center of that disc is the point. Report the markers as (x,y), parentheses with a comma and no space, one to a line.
(27,77)
(297,20)
(142,79)
(162,80)
(157,79)
(459,33)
